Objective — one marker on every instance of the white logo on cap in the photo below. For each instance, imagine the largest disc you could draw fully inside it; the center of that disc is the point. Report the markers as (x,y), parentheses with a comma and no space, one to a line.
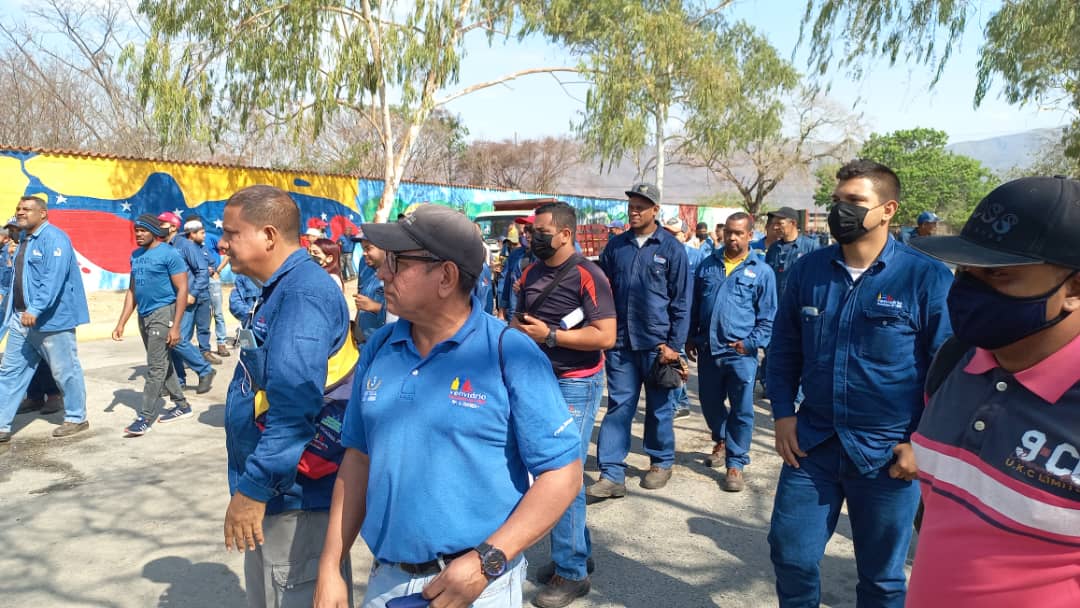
(1001,224)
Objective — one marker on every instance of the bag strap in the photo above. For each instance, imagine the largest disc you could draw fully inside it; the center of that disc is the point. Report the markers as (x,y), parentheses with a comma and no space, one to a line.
(555,280)
(947,357)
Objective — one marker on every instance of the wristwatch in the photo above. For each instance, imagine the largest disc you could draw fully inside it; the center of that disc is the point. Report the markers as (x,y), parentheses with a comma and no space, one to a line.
(492,561)
(550,339)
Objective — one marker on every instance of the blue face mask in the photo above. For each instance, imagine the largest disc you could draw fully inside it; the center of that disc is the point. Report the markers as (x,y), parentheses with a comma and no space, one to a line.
(984,317)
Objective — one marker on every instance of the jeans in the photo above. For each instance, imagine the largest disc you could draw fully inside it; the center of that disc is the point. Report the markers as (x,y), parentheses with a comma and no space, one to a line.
(26,348)
(185,352)
(387,581)
(729,377)
(347,272)
(570,542)
(626,371)
(154,329)
(218,311)
(281,572)
(202,322)
(42,384)
(805,511)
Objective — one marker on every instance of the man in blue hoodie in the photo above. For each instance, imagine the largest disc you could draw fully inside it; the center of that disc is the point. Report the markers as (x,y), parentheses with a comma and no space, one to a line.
(48,302)
(278,514)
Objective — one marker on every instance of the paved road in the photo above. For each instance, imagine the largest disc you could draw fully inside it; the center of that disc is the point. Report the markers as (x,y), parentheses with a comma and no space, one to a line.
(99,520)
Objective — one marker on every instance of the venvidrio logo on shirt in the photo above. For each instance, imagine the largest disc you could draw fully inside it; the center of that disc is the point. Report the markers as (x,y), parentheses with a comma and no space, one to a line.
(463,395)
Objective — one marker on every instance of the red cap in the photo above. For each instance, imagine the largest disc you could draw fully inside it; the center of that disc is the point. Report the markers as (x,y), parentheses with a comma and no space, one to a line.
(170,217)
(526,220)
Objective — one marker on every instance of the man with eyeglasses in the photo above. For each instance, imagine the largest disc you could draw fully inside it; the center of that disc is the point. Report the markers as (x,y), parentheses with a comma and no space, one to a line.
(483,402)
(649,274)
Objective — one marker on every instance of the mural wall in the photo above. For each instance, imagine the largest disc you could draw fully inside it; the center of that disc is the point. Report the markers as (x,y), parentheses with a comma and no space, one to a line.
(95,199)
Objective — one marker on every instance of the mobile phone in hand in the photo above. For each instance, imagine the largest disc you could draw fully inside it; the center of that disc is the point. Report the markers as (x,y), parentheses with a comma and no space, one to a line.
(415,600)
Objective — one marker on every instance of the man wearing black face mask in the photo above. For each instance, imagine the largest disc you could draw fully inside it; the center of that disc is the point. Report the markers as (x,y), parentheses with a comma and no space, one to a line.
(999,445)
(857,326)
(565,305)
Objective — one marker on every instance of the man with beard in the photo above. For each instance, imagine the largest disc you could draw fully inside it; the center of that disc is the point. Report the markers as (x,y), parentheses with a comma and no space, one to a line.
(857,327)
(158,280)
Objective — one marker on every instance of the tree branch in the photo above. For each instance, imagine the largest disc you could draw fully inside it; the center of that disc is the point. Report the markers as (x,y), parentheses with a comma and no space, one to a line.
(501,80)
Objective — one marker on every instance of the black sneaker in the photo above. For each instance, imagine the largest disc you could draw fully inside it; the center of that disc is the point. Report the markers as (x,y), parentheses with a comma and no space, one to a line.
(544,574)
(560,592)
(138,428)
(177,413)
(205,382)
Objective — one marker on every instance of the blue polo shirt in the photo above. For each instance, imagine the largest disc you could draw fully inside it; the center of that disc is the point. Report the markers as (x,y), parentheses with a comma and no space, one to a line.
(151,273)
(482,433)
(860,349)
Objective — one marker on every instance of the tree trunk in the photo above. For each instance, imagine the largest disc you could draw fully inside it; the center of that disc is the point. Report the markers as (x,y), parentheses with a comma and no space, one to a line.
(661,121)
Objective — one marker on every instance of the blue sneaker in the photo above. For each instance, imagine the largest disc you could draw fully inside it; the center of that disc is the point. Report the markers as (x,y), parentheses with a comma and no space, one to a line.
(138,428)
(177,413)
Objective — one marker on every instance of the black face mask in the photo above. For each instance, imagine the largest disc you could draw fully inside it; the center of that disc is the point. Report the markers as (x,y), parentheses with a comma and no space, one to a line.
(541,245)
(983,316)
(847,222)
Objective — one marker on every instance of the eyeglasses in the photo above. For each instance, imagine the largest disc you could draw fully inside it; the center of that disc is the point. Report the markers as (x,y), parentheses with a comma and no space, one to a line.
(392,260)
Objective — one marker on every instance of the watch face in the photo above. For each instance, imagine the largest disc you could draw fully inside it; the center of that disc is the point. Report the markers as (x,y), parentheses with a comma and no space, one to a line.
(494,563)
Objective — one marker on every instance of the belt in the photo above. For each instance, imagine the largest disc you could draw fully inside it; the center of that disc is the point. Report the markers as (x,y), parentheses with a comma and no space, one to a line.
(430,567)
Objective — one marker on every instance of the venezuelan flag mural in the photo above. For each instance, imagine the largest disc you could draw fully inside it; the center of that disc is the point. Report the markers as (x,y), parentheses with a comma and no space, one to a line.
(95,198)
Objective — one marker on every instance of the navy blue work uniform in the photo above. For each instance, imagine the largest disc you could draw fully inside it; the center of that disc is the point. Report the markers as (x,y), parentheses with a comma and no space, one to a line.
(782,255)
(726,309)
(515,264)
(652,306)
(197,314)
(860,349)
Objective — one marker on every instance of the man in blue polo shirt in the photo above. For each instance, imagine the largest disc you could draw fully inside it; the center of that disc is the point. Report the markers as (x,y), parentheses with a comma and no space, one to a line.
(731,318)
(278,513)
(482,401)
(158,279)
(857,327)
(647,267)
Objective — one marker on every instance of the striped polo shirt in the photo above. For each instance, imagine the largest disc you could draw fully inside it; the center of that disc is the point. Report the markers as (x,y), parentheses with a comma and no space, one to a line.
(999,461)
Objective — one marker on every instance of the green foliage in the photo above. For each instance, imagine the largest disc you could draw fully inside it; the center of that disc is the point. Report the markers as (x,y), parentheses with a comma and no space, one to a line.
(1031,47)
(931,177)
(826,183)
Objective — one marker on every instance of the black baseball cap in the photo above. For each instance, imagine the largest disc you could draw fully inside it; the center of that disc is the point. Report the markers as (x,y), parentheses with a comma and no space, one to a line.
(646,191)
(443,231)
(786,213)
(1032,220)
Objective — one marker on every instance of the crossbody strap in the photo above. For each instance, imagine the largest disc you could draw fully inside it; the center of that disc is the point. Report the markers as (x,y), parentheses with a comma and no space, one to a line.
(555,280)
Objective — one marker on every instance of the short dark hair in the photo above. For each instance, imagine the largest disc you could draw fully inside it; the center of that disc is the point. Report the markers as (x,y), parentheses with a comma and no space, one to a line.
(562,214)
(701,226)
(741,215)
(39,202)
(886,183)
(268,206)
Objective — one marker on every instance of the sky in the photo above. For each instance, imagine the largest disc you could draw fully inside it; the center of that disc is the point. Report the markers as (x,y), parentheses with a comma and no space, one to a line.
(889,98)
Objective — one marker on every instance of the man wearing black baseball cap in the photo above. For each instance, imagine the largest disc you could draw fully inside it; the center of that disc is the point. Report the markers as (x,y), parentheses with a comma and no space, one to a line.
(998,447)
(485,406)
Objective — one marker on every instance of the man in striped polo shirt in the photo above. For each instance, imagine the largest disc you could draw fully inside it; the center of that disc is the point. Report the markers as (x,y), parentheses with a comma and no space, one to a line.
(998,446)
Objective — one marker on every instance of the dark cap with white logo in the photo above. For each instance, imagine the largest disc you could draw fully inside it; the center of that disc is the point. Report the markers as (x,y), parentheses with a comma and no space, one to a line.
(1032,220)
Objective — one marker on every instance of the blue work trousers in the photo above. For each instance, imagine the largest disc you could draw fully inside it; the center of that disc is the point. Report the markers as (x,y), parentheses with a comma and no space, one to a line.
(626,372)
(805,511)
(201,309)
(185,353)
(729,377)
(26,349)
(570,542)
